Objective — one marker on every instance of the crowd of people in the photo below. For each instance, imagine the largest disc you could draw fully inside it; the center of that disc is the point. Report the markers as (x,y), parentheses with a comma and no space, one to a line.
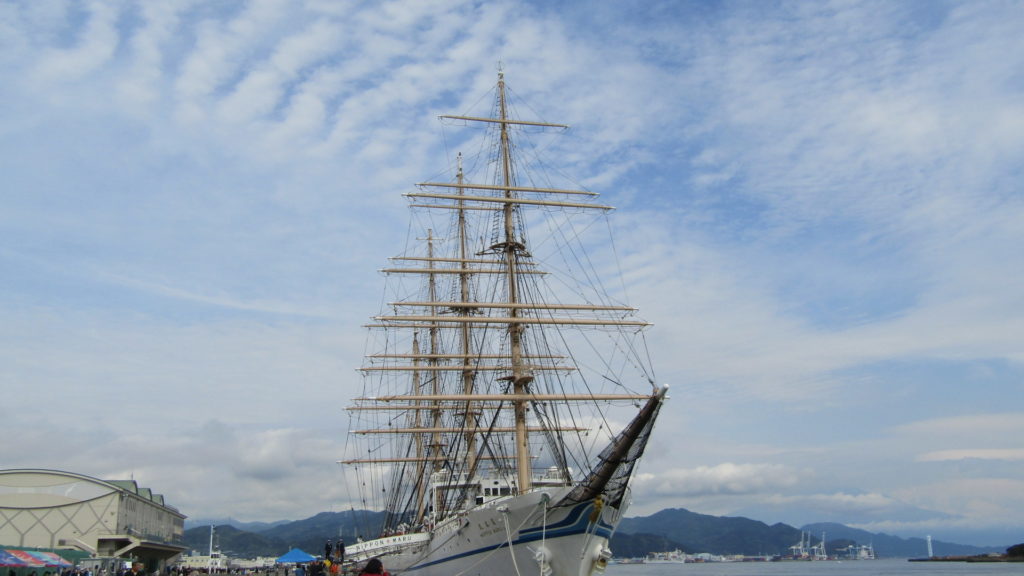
(332,564)
(315,568)
(325,568)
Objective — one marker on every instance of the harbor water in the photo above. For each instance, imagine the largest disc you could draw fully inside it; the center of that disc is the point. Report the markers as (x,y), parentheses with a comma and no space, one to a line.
(883,567)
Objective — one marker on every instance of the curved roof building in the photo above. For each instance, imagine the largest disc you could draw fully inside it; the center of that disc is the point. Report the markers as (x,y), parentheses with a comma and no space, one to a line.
(107,518)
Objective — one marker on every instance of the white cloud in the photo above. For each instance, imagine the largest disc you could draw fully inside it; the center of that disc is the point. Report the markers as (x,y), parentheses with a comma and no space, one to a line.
(232,371)
(976,502)
(141,88)
(979,454)
(998,427)
(843,505)
(93,47)
(275,473)
(725,478)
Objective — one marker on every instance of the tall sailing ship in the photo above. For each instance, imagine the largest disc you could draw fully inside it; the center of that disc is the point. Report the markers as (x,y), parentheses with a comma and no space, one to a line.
(507,390)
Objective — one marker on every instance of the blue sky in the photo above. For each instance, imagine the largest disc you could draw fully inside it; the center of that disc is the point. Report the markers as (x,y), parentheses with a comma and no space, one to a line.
(819,204)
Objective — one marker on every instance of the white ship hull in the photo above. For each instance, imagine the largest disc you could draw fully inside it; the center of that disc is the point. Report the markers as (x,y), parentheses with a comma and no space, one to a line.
(518,535)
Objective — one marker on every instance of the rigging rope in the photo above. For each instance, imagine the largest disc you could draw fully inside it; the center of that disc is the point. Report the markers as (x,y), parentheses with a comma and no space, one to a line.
(508,536)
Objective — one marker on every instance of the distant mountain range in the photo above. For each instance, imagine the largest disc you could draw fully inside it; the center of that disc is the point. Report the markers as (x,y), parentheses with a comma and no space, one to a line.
(695,533)
(665,530)
(252,539)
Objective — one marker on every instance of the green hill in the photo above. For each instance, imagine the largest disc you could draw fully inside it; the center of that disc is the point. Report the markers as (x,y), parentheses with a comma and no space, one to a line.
(639,545)
(277,538)
(233,542)
(714,534)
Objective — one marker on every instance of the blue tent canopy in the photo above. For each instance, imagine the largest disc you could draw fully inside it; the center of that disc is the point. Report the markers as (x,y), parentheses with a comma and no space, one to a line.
(295,555)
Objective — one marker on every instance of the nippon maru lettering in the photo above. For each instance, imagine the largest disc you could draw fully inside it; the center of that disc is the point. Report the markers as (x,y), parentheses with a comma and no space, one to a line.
(496,371)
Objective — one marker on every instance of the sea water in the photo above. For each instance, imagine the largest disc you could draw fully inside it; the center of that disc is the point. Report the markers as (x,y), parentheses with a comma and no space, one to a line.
(882,567)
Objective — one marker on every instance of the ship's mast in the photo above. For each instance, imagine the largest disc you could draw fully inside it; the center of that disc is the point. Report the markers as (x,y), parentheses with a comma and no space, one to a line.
(435,438)
(454,416)
(417,387)
(521,375)
(468,372)
(434,446)
(437,447)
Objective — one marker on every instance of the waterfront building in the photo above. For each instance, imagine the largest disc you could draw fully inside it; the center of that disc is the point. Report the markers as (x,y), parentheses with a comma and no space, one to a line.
(53,509)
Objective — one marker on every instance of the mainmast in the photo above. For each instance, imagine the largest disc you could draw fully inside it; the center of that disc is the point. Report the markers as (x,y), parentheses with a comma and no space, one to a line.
(521,375)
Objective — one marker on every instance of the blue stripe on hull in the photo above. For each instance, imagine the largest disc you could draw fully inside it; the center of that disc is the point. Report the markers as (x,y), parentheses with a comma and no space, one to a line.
(572,521)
